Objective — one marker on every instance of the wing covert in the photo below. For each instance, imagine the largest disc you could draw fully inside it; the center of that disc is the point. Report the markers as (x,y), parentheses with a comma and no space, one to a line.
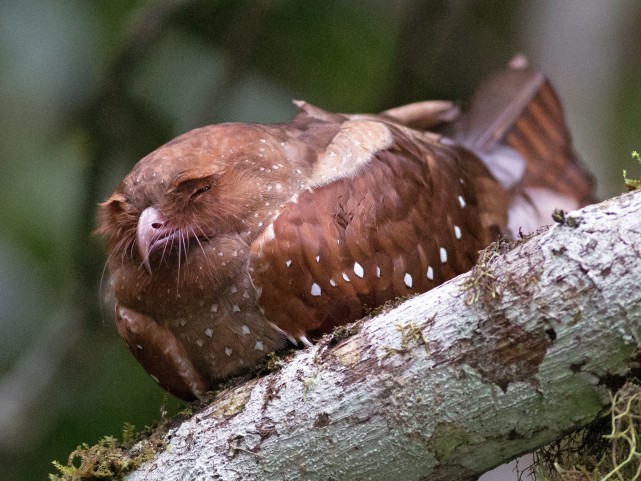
(410,219)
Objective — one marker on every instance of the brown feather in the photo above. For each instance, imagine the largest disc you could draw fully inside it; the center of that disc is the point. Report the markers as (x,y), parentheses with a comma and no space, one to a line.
(352,248)
(233,238)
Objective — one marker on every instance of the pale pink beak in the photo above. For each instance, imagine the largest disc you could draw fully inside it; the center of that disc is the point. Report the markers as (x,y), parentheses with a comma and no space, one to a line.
(152,234)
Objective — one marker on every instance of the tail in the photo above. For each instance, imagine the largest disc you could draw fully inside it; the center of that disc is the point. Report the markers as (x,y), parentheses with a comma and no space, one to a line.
(516,125)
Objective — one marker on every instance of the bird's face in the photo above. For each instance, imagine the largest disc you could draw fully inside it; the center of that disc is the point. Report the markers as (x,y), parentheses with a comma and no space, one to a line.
(185,213)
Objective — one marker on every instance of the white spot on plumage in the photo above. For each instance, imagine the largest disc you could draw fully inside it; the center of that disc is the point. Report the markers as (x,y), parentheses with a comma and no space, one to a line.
(288,262)
(246,330)
(235,308)
(209,332)
(154,378)
(233,289)
(228,351)
(430,273)
(378,272)
(345,278)
(332,282)
(259,346)
(408,280)
(316,290)
(214,308)
(139,347)
(269,234)
(461,200)
(317,259)
(358,270)
(443,254)
(200,342)
(457,232)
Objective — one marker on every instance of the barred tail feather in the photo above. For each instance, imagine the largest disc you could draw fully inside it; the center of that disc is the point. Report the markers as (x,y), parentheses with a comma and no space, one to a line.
(541,136)
(517,126)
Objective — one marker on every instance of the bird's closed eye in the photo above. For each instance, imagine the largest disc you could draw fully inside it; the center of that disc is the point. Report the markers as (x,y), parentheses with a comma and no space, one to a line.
(193,188)
(200,191)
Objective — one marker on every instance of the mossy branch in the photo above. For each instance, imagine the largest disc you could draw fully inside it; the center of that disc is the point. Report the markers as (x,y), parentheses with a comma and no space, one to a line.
(440,387)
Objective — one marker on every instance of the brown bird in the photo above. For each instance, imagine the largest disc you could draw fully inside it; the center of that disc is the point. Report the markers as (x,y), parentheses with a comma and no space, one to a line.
(234,239)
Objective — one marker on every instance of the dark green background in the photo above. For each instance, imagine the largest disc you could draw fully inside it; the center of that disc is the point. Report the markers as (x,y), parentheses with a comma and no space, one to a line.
(88,87)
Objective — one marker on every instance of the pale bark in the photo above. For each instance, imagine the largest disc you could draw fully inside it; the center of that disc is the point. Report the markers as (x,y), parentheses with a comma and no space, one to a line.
(438,388)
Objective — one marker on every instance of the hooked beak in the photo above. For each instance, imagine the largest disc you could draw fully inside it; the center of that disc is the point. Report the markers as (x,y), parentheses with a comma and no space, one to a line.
(152,234)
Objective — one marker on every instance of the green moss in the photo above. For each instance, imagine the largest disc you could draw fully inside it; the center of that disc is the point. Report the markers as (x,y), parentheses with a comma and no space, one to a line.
(309,383)
(274,362)
(481,283)
(343,332)
(608,449)
(632,184)
(411,335)
(386,306)
(109,458)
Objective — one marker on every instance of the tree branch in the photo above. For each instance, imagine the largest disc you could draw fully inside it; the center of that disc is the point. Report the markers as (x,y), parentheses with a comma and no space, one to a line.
(449,384)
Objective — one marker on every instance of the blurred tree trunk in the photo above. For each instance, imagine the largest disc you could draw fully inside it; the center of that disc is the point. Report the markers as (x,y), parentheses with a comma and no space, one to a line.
(445,46)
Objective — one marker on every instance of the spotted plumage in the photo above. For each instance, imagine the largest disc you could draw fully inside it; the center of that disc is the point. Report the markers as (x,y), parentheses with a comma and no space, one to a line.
(234,240)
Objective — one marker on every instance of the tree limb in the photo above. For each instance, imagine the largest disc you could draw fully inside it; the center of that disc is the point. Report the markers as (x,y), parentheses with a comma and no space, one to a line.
(449,384)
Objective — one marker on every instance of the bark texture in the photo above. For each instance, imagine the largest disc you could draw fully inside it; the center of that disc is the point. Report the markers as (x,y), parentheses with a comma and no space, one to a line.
(449,384)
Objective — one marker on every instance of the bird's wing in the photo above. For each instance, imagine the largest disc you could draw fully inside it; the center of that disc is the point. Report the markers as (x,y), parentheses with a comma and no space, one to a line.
(389,212)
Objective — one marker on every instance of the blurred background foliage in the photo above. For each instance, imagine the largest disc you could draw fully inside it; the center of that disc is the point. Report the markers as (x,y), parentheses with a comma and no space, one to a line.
(87,88)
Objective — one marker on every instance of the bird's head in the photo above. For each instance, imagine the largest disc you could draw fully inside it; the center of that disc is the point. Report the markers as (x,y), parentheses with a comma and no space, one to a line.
(192,203)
